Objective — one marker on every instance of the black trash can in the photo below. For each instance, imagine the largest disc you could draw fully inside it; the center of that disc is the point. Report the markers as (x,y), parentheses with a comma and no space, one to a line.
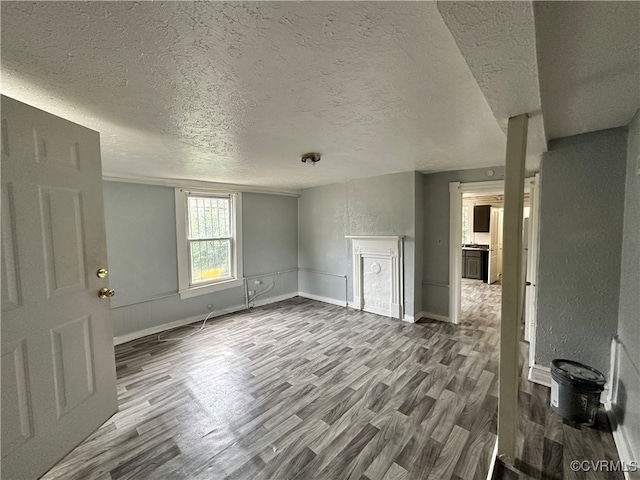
(575,391)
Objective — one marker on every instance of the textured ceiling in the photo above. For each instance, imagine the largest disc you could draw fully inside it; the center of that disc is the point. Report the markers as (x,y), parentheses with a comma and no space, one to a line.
(589,64)
(497,40)
(235,92)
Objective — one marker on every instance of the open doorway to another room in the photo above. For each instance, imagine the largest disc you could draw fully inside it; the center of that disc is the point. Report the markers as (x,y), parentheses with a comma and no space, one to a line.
(481,255)
(482,294)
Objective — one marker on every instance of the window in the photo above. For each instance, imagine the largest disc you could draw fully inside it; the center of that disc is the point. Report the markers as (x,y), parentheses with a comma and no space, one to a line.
(209,241)
(467,233)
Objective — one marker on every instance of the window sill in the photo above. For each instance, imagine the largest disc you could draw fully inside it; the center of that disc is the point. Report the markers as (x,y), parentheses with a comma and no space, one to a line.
(205,289)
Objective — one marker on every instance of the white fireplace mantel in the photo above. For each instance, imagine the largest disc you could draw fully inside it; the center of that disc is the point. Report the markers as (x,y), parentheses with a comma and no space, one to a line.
(378,274)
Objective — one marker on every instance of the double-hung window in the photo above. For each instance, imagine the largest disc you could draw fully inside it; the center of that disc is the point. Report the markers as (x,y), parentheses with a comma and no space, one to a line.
(467,222)
(209,240)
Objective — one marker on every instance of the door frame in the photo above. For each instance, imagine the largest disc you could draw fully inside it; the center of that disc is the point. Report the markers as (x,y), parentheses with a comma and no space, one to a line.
(456,190)
(493,246)
(533,248)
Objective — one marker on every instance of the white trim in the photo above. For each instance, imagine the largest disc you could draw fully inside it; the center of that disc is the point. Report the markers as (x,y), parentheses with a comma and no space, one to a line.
(531,313)
(623,443)
(492,464)
(198,318)
(456,189)
(433,316)
(455,249)
(332,301)
(168,326)
(623,446)
(182,183)
(486,186)
(269,300)
(185,290)
(387,247)
(375,237)
(614,371)
(540,375)
(512,288)
(379,311)
(341,303)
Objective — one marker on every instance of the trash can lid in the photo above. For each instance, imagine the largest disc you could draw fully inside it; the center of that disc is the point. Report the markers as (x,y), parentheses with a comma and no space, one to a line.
(578,372)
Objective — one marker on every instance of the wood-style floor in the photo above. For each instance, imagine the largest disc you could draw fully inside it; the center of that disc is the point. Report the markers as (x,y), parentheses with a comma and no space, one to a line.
(302,390)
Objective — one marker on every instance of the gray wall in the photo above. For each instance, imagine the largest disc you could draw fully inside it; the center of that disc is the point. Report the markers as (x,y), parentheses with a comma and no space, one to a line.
(581,213)
(382,205)
(270,231)
(141,241)
(435,271)
(141,245)
(627,403)
(322,217)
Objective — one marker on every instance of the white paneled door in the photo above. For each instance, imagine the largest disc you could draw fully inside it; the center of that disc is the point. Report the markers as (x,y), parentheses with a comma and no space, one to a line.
(58,371)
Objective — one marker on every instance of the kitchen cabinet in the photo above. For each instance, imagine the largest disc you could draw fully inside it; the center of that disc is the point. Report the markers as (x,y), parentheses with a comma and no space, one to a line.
(475,264)
(481,218)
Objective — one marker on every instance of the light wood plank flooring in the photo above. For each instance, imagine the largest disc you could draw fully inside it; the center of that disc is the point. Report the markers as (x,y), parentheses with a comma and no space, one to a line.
(302,390)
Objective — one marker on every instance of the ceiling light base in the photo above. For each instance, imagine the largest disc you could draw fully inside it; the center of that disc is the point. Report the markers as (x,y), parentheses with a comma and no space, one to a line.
(310,158)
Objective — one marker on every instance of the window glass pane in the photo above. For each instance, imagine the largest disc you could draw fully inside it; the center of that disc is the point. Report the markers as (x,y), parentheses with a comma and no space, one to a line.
(209,217)
(467,234)
(210,260)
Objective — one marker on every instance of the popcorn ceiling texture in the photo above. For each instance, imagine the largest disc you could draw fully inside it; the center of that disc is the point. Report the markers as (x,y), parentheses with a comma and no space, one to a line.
(589,64)
(497,40)
(235,92)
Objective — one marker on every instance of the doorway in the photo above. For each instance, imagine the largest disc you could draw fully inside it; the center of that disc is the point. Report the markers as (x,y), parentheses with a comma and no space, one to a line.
(481,254)
(481,192)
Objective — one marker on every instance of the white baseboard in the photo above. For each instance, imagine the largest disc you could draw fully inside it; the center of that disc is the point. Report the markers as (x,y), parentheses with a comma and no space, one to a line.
(157,329)
(342,303)
(433,316)
(268,300)
(623,446)
(198,318)
(540,375)
(332,301)
(626,453)
(492,463)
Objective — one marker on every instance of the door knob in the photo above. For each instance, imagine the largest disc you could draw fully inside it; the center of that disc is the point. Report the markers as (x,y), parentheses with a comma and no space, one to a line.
(105,292)
(102,273)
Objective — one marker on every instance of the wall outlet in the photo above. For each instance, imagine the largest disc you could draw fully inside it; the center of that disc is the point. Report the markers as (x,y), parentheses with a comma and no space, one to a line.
(258,282)
(252,292)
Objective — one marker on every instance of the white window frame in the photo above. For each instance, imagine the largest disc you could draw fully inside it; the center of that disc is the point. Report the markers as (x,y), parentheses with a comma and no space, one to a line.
(185,288)
(469,207)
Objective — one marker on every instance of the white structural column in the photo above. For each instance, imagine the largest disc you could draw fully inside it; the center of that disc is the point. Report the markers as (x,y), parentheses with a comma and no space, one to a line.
(511,288)
(455,247)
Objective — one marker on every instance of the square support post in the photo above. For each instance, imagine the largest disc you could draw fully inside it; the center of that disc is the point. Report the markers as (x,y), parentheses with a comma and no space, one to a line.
(511,288)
